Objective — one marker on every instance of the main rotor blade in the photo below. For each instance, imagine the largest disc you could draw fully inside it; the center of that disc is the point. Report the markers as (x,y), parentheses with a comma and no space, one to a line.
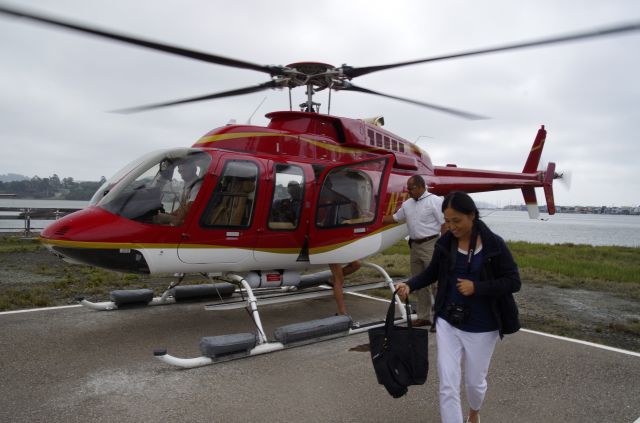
(459,113)
(618,29)
(209,58)
(231,93)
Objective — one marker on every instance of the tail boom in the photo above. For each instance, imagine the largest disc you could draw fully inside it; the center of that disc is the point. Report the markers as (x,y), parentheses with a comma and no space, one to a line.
(450,178)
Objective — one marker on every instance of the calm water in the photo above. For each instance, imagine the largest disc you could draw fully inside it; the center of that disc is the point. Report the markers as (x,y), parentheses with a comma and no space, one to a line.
(594,229)
(13,225)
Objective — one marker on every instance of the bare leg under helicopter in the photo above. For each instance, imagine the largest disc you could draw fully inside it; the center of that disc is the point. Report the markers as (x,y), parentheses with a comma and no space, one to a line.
(338,272)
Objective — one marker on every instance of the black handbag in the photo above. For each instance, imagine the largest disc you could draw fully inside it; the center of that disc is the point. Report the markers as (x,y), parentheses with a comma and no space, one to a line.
(399,354)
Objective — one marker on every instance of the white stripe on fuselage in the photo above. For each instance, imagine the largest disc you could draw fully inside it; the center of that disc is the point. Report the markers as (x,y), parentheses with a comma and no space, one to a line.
(210,260)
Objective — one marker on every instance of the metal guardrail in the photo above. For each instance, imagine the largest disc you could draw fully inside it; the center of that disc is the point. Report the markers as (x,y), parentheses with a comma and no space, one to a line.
(27,214)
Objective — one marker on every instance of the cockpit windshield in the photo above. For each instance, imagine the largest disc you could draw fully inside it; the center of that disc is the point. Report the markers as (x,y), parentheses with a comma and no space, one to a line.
(158,189)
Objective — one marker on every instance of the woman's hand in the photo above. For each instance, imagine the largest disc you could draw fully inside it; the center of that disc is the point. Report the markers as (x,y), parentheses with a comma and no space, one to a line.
(466,287)
(403,290)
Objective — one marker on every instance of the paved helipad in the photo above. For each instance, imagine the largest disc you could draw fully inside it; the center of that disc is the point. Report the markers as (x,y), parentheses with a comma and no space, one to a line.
(78,365)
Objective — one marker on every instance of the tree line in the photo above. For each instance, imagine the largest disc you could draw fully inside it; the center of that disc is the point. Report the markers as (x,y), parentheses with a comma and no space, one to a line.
(52,187)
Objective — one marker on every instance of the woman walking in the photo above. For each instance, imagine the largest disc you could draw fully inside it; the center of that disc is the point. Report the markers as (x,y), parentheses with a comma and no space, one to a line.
(474,304)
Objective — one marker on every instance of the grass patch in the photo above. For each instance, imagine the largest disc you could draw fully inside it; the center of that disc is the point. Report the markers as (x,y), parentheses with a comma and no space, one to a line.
(400,247)
(14,298)
(620,264)
(610,269)
(631,327)
(571,266)
(18,244)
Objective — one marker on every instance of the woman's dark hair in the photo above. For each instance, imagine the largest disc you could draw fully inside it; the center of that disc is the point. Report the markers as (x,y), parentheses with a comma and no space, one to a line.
(460,202)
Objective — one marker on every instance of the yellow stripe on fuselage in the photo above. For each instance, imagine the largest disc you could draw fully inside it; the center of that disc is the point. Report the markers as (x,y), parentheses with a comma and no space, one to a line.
(103,245)
(316,143)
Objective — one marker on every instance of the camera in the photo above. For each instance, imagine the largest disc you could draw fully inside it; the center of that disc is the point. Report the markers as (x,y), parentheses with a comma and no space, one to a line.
(457,314)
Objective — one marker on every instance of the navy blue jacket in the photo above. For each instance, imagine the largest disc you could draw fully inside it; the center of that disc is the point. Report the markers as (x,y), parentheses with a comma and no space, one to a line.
(499,276)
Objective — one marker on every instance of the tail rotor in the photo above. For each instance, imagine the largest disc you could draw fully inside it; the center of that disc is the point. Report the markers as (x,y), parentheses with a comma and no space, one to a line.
(564,178)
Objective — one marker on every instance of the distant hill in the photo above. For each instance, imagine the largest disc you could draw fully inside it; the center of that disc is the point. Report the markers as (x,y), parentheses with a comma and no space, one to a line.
(13,177)
(48,188)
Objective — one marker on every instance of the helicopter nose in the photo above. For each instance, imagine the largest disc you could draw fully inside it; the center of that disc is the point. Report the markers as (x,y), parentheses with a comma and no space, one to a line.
(98,238)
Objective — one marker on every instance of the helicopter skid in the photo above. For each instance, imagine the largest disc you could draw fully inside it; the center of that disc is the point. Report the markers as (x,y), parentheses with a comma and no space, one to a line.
(144,297)
(267,296)
(268,347)
(283,297)
(228,347)
(110,305)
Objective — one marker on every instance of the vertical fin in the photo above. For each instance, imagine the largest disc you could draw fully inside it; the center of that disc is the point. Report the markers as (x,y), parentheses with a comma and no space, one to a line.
(533,160)
(549,175)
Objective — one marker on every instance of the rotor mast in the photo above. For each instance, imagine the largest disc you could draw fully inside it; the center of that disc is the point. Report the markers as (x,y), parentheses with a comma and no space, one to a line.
(310,105)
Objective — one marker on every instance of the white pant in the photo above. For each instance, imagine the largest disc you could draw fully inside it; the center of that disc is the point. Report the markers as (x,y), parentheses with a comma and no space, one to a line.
(476,349)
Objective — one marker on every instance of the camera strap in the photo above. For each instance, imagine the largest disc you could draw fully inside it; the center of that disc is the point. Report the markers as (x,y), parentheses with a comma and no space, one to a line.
(472,247)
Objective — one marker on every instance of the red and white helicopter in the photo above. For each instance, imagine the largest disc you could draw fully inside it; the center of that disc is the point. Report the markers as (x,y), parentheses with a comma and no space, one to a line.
(259,206)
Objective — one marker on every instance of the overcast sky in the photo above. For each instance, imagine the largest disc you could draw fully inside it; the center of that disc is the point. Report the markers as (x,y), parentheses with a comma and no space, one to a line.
(57,86)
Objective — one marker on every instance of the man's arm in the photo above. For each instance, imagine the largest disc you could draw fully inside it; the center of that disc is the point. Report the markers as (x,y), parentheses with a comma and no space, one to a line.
(388,219)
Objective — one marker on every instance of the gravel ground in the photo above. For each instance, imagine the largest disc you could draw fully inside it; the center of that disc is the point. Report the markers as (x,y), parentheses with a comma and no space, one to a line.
(589,315)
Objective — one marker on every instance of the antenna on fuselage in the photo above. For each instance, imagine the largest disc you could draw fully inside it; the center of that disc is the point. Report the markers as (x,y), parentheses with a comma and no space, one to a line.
(254,112)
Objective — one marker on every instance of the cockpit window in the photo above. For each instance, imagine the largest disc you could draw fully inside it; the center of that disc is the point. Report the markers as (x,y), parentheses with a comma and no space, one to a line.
(111,182)
(161,189)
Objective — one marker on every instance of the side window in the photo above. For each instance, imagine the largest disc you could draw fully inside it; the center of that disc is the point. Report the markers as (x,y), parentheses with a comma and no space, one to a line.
(288,195)
(349,195)
(233,199)
(378,140)
(371,136)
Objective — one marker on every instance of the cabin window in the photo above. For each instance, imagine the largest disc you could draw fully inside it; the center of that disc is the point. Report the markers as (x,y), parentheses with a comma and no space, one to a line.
(387,143)
(394,145)
(160,189)
(379,140)
(288,196)
(401,145)
(349,194)
(233,199)
(372,140)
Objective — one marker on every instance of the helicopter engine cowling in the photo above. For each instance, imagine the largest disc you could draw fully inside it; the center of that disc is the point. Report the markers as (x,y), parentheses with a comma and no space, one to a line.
(272,278)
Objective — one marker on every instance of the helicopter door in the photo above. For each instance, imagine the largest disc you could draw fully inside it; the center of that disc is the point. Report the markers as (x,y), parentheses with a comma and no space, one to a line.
(281,238)
(223,232)
(346,209)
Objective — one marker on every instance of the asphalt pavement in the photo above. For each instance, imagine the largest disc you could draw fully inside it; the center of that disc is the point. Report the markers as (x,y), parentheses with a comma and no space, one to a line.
(79,365)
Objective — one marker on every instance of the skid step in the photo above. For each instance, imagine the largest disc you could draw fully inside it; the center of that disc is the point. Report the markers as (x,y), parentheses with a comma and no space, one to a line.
(217,290)
(302,331)
(122,297)
(223,345)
